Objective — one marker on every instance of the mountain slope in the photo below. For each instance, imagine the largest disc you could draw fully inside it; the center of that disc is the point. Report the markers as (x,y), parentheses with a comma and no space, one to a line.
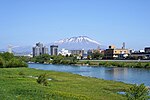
(80,42)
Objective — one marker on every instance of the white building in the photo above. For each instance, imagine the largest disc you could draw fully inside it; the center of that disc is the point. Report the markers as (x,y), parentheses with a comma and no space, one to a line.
(64,52)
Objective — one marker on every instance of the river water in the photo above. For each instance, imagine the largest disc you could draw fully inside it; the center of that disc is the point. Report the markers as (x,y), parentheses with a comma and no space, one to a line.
(127,75)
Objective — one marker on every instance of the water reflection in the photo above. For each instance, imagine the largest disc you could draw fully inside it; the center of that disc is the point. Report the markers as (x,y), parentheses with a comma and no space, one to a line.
(127,75)
(117,73)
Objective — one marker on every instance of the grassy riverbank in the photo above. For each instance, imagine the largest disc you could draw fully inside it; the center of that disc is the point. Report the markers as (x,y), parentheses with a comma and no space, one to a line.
(115,64)
(17,84)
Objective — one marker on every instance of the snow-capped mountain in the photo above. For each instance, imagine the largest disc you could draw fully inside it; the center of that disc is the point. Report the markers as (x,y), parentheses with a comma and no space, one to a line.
(77,40)
(80,42)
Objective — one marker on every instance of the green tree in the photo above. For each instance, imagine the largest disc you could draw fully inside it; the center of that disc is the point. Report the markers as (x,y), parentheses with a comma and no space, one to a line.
(23,58)
(57,59)
(15,63)
(7,56)
(97,55)
(8,60)
(68,60)
(42,58)
(138,92)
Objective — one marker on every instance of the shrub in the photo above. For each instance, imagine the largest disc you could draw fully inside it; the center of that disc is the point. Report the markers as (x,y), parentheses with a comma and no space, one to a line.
(102,63)
(139,65)
(138,92)
(13,63)
(130,65)
(87,62)
(21,73)
(57,60)
(65,62)
(146,65)
(42,79)
(107,64)
(1,62)
(7,56)
(121,64)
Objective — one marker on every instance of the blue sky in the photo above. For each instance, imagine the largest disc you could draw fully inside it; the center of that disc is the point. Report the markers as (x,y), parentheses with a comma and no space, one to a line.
(25,22)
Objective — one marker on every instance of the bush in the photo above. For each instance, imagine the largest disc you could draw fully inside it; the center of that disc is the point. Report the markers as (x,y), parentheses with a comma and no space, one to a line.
(121,64)
(87,62)
(116,64)
(107,64)
(1,62)
(57,60)
(7,56)
(42,79)
(146,65)
(138,65)
(42,58)
(138,92)
(102,63)
(13,63)
(65,62)
(21,73)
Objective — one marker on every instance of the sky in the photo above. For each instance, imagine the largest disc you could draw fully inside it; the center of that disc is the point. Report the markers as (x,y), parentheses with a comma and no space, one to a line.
(25,22)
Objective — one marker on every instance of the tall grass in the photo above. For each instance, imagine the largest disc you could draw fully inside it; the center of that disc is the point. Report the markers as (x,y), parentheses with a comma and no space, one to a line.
(15,84)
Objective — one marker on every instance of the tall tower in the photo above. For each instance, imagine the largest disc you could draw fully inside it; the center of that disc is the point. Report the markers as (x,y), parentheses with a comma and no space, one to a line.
(40,45)
(39,49)
(123,45)
(36,51)
(54,49)
(44,50)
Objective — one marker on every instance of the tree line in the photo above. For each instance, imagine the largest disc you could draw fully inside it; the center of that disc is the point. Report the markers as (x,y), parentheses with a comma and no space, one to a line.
(49,59)
(8,60)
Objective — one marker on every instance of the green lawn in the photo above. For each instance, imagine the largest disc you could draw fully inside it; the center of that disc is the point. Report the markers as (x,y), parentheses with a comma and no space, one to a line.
(15,84)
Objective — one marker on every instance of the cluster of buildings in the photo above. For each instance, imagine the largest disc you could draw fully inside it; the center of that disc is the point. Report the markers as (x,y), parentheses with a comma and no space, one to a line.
(110,53)
(123,53)
(116,53)
(142,54)
(40,49)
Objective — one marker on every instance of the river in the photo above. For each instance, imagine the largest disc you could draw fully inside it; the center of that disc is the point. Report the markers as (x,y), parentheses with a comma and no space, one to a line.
(127,75)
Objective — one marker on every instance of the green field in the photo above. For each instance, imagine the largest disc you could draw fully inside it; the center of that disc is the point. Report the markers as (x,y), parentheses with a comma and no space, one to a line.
(17,84)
